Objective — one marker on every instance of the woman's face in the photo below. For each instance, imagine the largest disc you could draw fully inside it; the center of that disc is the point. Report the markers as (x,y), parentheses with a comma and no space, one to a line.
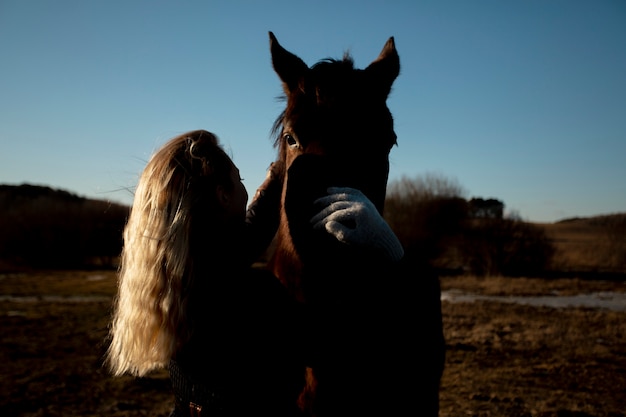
(235,201)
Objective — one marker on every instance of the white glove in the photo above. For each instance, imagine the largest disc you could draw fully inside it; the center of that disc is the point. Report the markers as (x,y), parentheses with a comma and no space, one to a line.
(353,219)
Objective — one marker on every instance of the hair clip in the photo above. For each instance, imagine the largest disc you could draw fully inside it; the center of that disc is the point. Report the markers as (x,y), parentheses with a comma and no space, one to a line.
(196,153)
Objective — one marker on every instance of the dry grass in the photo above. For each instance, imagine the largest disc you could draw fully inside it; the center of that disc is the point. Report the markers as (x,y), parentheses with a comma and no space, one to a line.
(52,351)
(502,359)
(519,361)
(579,246)
(595,244)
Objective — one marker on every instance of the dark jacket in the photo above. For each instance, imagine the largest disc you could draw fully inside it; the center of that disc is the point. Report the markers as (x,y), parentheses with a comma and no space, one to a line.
(245,357)
(247,353)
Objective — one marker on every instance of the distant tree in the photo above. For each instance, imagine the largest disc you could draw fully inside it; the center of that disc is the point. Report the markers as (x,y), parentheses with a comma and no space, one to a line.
(486,208)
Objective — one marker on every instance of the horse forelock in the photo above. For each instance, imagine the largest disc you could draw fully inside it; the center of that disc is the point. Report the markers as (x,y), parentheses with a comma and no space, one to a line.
(330,68)
(333,95)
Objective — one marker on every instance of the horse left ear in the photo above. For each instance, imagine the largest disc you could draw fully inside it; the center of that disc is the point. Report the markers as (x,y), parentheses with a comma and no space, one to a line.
(289,67)
(386,68)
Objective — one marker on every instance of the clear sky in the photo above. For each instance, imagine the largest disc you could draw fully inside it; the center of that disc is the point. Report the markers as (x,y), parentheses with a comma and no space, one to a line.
(523,101)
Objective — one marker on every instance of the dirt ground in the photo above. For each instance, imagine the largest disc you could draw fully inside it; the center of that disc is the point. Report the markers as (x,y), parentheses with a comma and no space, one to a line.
(502,359)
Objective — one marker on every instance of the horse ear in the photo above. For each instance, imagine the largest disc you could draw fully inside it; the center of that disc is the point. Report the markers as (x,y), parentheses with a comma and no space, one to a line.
(289,67)
(386,68)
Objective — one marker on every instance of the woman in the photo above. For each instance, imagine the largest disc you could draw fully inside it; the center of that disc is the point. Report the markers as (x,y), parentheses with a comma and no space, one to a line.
(187,296)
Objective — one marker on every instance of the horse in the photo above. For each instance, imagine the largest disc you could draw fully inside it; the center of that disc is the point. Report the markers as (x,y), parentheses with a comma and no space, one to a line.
(375,340)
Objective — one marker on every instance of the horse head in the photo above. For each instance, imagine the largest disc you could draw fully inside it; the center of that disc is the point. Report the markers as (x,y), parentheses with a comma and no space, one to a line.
(335,130)
(340,113)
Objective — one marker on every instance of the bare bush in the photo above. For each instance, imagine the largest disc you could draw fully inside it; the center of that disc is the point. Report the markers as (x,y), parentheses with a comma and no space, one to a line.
(508,247)
(435,223)
(427,214)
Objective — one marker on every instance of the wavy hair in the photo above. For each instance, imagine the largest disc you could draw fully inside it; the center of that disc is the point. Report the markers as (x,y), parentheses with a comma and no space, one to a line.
(150,312)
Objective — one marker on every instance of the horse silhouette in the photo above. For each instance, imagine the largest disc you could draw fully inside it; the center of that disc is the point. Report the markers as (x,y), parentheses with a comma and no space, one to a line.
(375,341)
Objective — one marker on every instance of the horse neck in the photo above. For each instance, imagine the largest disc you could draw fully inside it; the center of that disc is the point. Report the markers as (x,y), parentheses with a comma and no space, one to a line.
(285,262)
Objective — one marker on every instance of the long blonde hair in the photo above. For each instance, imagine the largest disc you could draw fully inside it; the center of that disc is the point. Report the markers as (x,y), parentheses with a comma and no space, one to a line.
(150,320)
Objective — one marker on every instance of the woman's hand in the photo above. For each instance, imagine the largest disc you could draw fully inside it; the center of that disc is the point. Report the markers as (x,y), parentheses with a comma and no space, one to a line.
(352,218)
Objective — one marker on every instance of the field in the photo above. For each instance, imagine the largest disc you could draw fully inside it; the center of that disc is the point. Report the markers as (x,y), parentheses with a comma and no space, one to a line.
(503,359)
(517,360)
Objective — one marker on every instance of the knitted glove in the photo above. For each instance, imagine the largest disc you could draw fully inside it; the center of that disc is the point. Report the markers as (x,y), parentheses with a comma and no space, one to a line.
(353,219)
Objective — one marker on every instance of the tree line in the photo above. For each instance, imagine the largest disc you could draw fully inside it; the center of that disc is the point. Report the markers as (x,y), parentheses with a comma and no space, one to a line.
(43,227)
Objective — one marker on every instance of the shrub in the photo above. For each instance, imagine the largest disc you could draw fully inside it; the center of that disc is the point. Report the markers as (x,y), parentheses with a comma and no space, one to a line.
(506,247)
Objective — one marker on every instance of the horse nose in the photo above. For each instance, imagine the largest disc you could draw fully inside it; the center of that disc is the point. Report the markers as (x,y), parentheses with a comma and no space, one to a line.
(316,173)
(321,171)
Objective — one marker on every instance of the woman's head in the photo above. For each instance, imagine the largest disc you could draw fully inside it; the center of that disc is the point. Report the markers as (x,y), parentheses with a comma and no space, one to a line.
(186,197)
(188,194)
(186,172)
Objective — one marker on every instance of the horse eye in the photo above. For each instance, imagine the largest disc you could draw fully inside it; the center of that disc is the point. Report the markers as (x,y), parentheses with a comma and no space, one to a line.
(291,141)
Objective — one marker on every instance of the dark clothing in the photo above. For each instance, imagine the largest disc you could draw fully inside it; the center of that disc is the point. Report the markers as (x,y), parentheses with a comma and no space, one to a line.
(245,357)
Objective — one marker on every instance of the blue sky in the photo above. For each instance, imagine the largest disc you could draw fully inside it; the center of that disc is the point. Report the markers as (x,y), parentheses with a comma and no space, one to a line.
(523,101)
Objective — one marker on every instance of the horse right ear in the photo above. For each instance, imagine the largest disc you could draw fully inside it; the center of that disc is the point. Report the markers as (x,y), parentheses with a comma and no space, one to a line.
(289,67)
(386,68)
